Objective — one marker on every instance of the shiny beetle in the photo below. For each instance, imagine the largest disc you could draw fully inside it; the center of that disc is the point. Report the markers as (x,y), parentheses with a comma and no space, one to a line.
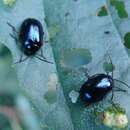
(30,38)
(97,87)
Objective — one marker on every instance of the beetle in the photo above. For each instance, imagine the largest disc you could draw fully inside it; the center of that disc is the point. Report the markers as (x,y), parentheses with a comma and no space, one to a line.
(30,38)
(97,87)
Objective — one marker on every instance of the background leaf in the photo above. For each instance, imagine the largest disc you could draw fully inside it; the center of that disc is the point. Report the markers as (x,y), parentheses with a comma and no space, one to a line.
(77,34)
(80,27)
(35,77)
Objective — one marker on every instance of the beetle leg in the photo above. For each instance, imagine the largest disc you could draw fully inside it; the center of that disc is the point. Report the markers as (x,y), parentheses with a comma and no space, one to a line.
(14,37)
(44,60)
(107,73)
(13,28)
(21,59)
(112,95)
(87,74)
(122,82)
(120,90)
(42,54)
(114,105)
(43,57)
(86,71)
(46,41)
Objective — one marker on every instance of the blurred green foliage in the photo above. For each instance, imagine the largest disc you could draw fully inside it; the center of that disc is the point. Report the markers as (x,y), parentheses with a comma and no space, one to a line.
(10,118)
(4,123)
(102,11)
(127,40)
(120,6)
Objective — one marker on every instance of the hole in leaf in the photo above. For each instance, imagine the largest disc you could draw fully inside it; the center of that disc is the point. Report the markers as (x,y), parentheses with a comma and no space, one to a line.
(75,58)
(127,40)
(53,31)
(120,7)
(51,96)
(108,67)
(73,95)
(102,11)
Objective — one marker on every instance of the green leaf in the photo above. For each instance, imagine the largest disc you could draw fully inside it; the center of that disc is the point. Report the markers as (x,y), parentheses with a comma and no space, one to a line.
(119,5)
(108,67)
(13,105)
(35,77)
(82,29)
(127,40)
(74,58)
(102,11)
(77,42)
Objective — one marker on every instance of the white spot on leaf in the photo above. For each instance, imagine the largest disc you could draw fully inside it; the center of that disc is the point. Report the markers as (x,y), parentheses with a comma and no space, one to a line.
(73,96)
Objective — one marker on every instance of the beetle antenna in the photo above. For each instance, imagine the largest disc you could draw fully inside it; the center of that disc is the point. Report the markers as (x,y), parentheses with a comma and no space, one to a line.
(43,60)
(12,27)
(111,63)
(120,90)
(122,82)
